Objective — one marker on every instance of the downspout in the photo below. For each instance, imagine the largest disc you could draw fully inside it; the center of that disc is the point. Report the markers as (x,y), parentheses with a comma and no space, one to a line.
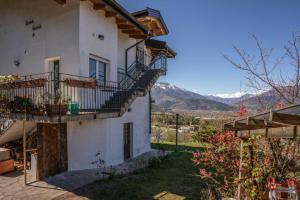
(150,113)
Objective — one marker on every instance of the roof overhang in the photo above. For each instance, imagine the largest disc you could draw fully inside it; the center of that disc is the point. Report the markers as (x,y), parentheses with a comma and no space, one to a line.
(157,47)
(152,20)
(278,118)
(125,21)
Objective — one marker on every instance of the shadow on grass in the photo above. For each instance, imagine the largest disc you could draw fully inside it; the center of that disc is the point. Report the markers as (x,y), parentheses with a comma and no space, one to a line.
(176,176)
(181,147)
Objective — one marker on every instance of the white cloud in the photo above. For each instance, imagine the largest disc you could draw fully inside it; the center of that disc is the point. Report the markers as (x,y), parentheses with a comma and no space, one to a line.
(236,94)
(230,95)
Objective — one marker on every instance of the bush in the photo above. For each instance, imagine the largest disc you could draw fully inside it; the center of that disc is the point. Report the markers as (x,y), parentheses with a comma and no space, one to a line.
(154,162)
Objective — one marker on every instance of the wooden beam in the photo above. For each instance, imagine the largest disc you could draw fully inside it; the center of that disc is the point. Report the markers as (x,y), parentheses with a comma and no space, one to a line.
(257,123)
(120,21)
(110,14)
(61,2)
(138,36)
(125,26)
(99,6)
(228,127)
(242,126)
(132,32)
(283,118)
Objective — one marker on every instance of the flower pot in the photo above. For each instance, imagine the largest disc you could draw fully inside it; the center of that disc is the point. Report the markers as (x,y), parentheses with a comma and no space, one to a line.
(54,109)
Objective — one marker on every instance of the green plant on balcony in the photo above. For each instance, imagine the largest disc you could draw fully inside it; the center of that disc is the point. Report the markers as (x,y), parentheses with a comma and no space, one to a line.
(54,104)
(20,105)
(3,102)
(10,78)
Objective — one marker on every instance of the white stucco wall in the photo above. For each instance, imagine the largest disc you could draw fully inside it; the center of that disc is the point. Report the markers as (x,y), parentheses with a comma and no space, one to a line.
(58,36)
(71,33)
(125,42)
(112,48)
(87,138)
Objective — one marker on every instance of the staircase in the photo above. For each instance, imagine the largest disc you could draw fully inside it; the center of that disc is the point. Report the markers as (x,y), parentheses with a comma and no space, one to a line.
(11,130)
(137,83)
(5,124)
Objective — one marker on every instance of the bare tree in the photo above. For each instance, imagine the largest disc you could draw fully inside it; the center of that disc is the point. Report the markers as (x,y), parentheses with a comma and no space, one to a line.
(264,73)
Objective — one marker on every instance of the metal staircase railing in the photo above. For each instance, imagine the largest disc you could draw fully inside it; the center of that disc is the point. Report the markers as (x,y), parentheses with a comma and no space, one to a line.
(136,69)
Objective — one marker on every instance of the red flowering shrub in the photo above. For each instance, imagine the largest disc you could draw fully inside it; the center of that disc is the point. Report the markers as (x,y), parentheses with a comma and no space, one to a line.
(243,111)
(219,164)
(279,105)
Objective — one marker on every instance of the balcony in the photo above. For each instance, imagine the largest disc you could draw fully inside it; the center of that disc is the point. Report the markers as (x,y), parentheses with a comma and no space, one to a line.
(60,97)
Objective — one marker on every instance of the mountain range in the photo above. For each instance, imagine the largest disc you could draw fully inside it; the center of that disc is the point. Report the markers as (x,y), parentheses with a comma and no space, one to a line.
(170,97)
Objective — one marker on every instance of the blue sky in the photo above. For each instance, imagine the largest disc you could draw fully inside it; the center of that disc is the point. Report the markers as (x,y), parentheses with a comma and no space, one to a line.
(202,30)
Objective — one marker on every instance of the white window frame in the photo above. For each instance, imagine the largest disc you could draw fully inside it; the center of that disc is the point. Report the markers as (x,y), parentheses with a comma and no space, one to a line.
(102,60)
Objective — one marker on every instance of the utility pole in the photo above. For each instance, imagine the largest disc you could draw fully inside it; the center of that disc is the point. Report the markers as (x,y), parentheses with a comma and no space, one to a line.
(177,116)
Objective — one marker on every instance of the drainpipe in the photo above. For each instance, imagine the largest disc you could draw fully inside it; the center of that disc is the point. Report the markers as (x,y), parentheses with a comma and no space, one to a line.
(150,113)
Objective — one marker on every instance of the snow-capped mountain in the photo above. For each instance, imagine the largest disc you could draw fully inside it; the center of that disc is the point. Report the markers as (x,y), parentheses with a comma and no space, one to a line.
(168,96)
(231,99)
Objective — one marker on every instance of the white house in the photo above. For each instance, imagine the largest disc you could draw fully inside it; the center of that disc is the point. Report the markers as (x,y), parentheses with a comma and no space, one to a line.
(80,73)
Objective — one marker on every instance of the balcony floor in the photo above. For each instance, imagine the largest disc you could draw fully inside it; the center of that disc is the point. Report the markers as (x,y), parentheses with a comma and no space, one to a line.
(82,116)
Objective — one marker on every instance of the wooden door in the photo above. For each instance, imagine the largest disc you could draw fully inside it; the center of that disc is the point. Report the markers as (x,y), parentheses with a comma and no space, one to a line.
(127,132)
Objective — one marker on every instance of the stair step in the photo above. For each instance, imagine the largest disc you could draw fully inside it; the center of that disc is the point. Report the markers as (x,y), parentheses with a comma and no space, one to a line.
(122,99)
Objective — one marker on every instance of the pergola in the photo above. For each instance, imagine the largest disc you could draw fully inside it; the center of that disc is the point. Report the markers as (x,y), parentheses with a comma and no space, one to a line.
(275,123)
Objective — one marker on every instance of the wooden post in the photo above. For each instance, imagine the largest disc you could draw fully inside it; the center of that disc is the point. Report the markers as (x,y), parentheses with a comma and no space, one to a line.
(295,131)
(240,170)
(177,115)
(24,152)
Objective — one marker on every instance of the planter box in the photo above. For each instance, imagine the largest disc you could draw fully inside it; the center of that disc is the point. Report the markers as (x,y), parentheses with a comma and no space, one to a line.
(6,166)
(53,109)
(41,82)
(4,154)
(81,84)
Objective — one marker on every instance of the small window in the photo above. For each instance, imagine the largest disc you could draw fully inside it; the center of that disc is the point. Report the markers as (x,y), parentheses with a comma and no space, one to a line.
(98,69)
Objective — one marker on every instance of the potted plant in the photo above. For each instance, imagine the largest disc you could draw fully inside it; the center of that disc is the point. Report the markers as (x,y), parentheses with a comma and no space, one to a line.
(55,104)
(3,101)
(20,105)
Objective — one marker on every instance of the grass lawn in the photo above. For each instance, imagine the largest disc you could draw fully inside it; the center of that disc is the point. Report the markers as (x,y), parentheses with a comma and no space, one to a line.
(176,175)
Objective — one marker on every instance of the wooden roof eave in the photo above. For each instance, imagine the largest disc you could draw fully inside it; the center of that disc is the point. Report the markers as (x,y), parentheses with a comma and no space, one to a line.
(153,20)
(125,21)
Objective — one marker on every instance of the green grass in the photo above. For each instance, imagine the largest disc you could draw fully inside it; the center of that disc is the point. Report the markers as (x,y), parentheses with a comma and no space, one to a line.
(176,175)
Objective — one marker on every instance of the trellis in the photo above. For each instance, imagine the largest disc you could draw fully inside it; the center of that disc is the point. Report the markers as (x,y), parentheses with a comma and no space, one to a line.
(275,123)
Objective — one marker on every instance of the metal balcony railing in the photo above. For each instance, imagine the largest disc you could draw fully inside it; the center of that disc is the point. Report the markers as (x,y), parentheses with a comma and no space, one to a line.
(65,94)
(62,94)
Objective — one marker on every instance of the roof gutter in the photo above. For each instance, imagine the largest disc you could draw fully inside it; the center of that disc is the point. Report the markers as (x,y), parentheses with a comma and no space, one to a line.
(126,14)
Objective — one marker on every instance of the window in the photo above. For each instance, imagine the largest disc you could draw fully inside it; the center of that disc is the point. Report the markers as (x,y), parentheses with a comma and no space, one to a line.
(98,69)
(93,68)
